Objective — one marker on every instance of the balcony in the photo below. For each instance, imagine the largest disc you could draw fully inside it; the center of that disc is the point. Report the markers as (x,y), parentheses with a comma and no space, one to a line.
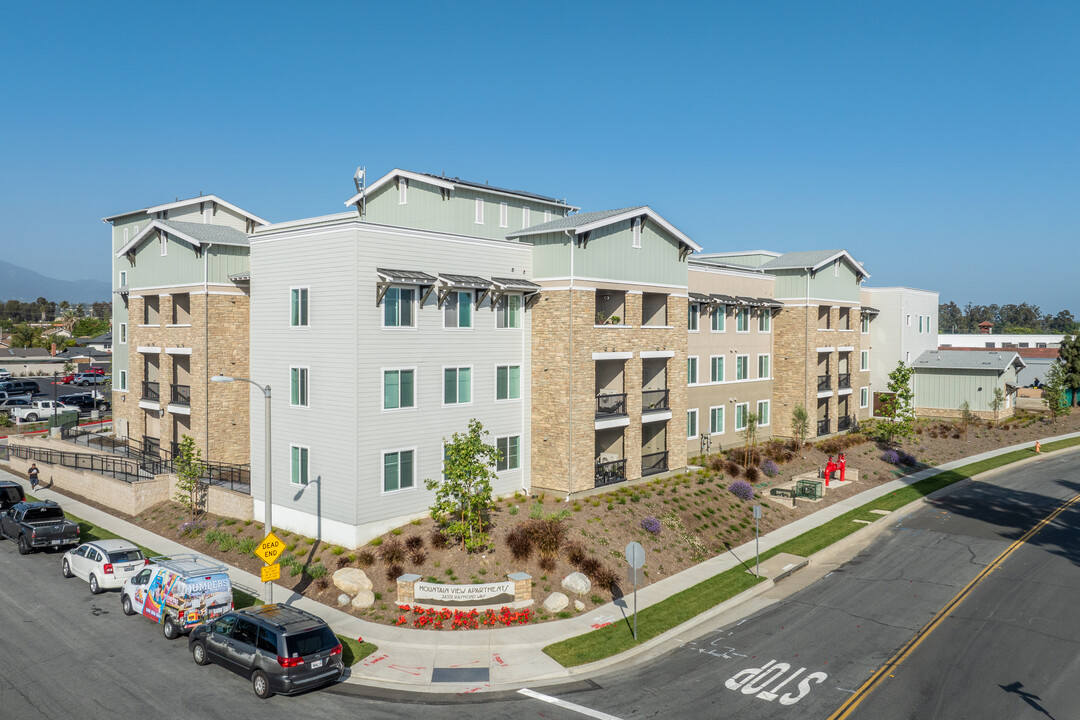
(151,391)
(654,463)
(654,400)
(181,394)
(843,423)
(610,472)
(610,404)
(844,381)
(823,383)
(823,427)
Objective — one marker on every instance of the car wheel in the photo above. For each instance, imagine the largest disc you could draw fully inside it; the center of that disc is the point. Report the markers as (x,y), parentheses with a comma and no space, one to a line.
(169,628)
(84,383)
(261,685)
(198,654)
(24,547)
(32,417)
(67,570)
(125,603)
(94,587)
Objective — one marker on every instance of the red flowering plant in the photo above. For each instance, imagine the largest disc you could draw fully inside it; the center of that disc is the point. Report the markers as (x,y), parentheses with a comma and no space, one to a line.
(462,619)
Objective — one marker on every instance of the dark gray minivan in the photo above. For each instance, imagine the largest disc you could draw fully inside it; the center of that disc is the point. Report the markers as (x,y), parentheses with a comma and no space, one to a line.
(281,649)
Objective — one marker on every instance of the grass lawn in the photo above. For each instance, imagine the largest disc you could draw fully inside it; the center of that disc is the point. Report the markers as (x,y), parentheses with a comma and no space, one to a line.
(679,608)
(353,652)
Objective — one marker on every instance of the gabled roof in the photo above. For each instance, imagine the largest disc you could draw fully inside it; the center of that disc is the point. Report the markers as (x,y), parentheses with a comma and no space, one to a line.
(969,360)
(813,260)
(195,234)
(184,203)
(584,222)
(449,184)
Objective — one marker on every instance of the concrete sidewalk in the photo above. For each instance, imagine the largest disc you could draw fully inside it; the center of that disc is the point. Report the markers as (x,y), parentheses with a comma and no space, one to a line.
(510,658)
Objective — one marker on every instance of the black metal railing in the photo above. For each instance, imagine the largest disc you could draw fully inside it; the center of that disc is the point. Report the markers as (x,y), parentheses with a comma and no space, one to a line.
(610,472)
(652,400)
(151,390)
(653,463)
(181,394)
(610,404)
(823,427)
(843,381)
(843,423)
(115,467)
(823,383)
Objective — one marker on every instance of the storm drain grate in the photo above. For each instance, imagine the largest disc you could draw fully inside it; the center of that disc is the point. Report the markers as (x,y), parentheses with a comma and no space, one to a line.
(465,675)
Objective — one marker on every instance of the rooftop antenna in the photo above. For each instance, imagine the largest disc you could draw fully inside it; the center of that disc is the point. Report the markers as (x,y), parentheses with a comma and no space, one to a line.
(358,179)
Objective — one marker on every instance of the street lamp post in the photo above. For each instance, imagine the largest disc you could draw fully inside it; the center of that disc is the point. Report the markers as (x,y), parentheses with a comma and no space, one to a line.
(268,490)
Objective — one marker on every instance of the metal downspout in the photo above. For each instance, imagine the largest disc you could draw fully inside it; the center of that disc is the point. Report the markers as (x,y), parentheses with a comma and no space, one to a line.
(206,348)
(570,424)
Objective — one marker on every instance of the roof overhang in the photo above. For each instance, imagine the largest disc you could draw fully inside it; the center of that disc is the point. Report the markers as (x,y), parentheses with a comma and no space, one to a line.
(644,210)
(186,203)
(442,184)
(151,227)
(845,255)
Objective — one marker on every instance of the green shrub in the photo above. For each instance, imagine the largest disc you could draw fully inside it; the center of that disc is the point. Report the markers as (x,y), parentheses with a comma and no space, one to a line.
(247,546)
(316,571)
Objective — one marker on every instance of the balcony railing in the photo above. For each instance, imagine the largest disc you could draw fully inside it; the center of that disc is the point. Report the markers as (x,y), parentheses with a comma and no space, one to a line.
(844,381)
(608,404)
(823,383)
(843,423)
(653,400)
(653,463)
(610,472)
(181,394)
(823,427)
(150,390)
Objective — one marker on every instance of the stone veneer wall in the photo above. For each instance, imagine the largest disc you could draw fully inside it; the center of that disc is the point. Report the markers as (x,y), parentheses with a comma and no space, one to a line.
(554,367)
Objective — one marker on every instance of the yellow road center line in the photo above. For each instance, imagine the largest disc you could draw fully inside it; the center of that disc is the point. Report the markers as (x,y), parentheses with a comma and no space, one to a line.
(866,688)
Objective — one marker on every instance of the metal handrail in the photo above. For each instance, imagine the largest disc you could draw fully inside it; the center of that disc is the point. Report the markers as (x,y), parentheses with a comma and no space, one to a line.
(181,394)
(151,390)
(844,381)
(823,383)
(610,472)
(610,404)
(654,400)
(653,463)
(823,427)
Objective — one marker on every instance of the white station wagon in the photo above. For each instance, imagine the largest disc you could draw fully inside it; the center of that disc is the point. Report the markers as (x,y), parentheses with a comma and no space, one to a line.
(105,564)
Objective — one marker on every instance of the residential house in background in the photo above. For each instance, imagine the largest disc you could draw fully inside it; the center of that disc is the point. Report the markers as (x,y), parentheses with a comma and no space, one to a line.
(904,328)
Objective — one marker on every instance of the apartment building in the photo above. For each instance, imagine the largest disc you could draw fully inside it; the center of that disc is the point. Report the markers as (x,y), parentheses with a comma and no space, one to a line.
(905,327)
(180,314)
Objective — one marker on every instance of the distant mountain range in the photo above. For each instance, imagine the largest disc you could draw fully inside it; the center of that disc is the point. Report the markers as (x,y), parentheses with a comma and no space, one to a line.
(17,283)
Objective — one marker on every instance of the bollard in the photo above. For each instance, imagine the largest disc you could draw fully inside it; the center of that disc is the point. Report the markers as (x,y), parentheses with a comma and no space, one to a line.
(1038,447)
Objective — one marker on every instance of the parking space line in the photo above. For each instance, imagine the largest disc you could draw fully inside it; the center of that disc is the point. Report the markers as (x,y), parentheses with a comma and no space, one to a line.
(588,712)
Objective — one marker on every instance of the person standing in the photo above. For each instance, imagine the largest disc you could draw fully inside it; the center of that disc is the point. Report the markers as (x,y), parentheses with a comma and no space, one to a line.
(32,473)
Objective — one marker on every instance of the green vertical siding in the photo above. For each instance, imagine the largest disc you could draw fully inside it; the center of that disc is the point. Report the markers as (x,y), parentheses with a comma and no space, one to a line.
(789,283)
(178,267)
(224,260)
(946,389)
(610,255)
(823,285)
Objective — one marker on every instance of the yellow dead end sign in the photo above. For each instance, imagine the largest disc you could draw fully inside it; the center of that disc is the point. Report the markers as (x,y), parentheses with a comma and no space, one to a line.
(270,548)
(271,572)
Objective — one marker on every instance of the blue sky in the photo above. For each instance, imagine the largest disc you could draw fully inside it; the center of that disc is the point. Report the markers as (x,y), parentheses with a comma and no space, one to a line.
(938,142)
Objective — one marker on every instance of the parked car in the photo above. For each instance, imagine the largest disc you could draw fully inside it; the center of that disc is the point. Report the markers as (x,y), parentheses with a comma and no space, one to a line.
(39,410)
(20,387)
(38,525)
(88,378)
(11,494)
(178,593)
(4,373)
(84,402)
(73,377)
(105,564)
(281,649)
(10,404)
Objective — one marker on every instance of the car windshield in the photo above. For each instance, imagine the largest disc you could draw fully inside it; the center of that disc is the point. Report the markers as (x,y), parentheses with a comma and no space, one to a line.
(312,641)
(125,556)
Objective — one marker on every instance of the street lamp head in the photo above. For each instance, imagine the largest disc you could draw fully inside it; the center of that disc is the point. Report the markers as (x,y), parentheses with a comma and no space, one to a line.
(221,378)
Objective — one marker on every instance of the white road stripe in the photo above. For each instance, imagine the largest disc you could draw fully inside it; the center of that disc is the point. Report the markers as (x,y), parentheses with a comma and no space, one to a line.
(588,712)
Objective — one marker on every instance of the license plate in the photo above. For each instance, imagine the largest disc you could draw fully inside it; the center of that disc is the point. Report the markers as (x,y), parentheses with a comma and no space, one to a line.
(57,542)
(129,568)
(317,664)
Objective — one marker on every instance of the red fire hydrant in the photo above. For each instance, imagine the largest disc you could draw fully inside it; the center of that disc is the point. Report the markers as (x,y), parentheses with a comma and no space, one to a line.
(830,467)
(843,466)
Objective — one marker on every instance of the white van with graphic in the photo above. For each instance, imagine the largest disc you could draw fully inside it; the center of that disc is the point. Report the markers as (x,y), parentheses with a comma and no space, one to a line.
(178,592)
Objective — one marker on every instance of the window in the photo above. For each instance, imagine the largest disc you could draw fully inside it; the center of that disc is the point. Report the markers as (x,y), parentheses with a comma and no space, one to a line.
(510,449)
(693,311)
(716,420)
(479,212)
(909,320)
(125,235)
(298,396)
(763,412)
(637,233)
(181,309)
(524,218)
(864,360)
(742,410)
(691,371)
(907,356)
(123,380)
(267,638)
(742,320)
(742,367)
(163,240)
(398,307)
(864,397)
(504,215)
(691,424)
(763,366)
(399,389)
(764,321)
(864,319)
(508,312)
(402,191)
(398,470)
(719,318)
(123,333)
(920,323)
(927,323)
(123,278)
(547,216)
(836,268)
(300,462)
(508,382)
(299,317)
(151,304)
(716,368)
(457,386)
(457,312)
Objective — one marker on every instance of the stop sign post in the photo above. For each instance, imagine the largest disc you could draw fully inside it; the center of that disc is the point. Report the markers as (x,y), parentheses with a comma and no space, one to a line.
(635,555)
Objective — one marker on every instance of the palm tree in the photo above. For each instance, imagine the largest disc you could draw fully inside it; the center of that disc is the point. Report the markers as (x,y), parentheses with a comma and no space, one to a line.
(26,336)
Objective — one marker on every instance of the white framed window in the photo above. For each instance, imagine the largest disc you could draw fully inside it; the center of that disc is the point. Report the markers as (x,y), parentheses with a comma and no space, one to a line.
(123,333)
(864,322)
(763,407)
(402,191)
(510,453)
(763,368)
(398,307)
(123,380)
(207,214)
(457,312)
(907,356)
(125,235)
(507,382)
(716,420)
(742,411)
(909,320)
(399,388)
(301,464)
(504,215)
(742,320)
(716,368)
(927,323)
(920,323)
(298,386)
(163,240)
(691,424)
(637,232)
(457,386)
(479,220)
(691,370)
(719,318)
(864,360)
(399,470)
(742,367)
(508,312)
(764,321)
(693,313)
(547,216)
(123,278)
(298,315)
(525,219)
(836,268)
(864,397)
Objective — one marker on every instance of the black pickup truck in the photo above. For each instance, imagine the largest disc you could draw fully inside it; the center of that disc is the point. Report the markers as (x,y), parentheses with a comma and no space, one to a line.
(37,525)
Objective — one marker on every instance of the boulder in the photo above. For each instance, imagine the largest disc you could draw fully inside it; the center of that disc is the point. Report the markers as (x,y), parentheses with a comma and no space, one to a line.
(578,605)
(363,599)
(343,599)
(555,602)
(577,583)
(351,580)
